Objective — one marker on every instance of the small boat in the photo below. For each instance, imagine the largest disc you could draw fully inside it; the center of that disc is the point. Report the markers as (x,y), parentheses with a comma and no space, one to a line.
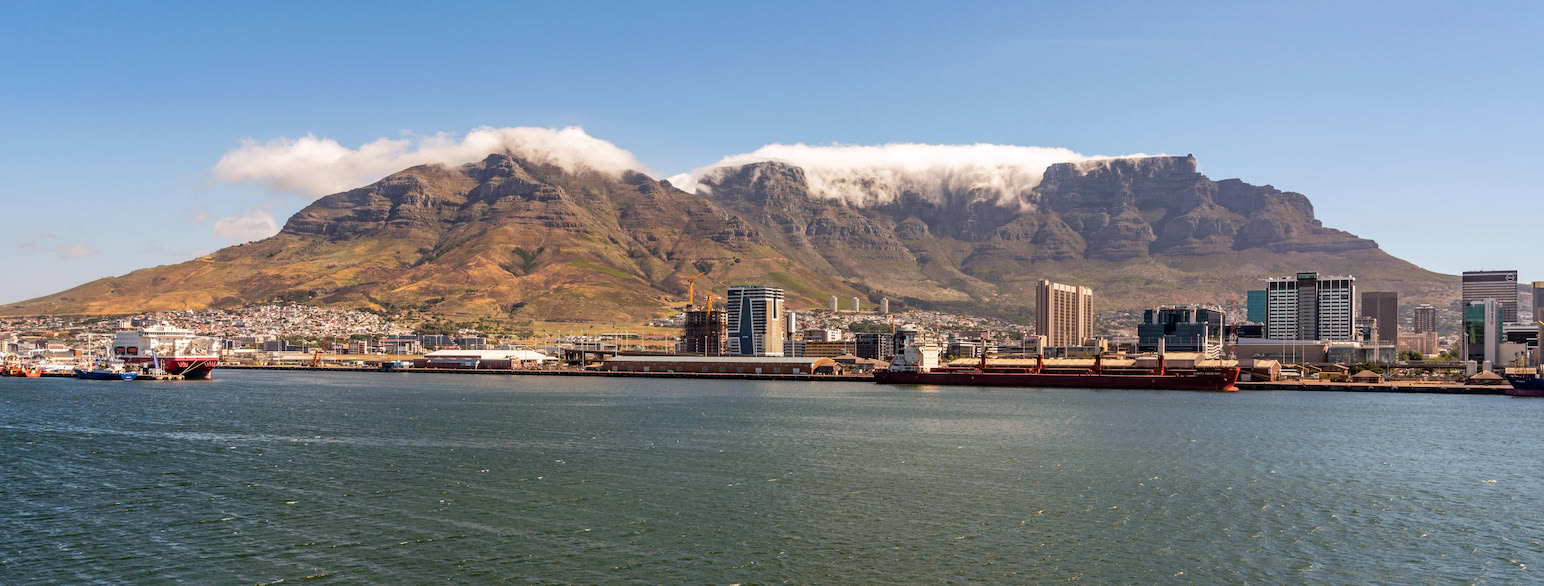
(106,371)
(99,374)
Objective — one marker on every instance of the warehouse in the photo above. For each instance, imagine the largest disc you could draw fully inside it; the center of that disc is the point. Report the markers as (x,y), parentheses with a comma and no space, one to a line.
(721,364)
(494,359)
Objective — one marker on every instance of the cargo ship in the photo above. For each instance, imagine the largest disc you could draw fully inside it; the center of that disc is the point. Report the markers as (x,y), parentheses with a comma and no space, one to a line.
(175,350)
(918,365)
(1526,385)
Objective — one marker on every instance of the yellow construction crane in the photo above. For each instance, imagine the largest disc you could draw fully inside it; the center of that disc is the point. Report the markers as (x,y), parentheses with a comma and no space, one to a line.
(710,301)
(690,291)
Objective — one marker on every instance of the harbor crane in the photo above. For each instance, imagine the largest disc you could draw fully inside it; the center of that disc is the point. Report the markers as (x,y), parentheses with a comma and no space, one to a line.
(690,292)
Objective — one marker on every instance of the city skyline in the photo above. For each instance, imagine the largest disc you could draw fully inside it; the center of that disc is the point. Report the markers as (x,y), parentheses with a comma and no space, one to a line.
(156,140)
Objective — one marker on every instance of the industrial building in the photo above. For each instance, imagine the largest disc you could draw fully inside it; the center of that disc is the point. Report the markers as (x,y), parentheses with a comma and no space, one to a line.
(483,359)
(1313,351)
(829,349)
(721,364)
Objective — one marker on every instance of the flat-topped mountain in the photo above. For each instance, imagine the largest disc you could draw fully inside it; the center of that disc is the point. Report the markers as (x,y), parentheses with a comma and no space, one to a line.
(507,237)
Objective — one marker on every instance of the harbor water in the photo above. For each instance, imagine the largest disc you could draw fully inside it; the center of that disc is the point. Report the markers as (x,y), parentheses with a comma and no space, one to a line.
(257,477)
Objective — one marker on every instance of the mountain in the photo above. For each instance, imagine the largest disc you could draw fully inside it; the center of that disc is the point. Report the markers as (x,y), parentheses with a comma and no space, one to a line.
(510,238)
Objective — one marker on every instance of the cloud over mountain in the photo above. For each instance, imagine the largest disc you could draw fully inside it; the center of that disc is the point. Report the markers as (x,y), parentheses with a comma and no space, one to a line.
(865,176)
(316,166)
(253,224)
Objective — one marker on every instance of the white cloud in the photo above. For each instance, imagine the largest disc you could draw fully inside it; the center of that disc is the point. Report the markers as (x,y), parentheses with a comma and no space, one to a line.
(253,224)
(75,250)
(874,175)
(319,166)
(63,250)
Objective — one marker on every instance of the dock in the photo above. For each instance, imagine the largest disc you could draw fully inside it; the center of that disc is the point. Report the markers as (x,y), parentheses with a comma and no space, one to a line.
(1403,387)
(850,378)
(1439,388)
(157,377)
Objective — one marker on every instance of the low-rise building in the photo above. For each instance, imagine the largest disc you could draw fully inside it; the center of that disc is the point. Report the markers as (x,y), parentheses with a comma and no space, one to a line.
(722,364)
(483,359)
(828,349)
(875,346)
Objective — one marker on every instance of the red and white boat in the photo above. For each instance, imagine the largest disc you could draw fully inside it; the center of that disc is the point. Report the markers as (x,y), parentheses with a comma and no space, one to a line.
(174,350)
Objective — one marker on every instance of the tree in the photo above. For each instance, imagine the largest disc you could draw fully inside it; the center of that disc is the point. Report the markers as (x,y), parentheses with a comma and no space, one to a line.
(868,326)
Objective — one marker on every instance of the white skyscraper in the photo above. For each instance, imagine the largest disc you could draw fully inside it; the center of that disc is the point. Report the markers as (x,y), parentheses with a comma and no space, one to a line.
(1310,307)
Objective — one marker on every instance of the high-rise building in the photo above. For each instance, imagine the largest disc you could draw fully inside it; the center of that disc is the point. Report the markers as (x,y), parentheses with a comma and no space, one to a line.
(704,333)
(1482,331)
(1256,305)
(1538,302)
(1425,318)
(833,304)
(1383,305)
(855,305)
(754,318)
(1064,314)
(1310,307)
(1498,285)
(884,305)
(1183,328)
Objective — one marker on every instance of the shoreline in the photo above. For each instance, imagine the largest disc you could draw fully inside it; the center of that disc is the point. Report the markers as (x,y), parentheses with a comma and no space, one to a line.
(1243,386)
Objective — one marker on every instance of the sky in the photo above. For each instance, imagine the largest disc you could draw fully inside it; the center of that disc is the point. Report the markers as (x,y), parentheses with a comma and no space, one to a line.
(1414,124)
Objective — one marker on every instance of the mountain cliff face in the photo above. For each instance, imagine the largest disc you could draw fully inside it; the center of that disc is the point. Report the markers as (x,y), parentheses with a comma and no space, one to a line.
(509,238)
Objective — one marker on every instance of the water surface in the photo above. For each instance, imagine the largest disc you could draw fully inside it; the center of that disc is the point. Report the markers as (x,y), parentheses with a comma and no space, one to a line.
(410,478)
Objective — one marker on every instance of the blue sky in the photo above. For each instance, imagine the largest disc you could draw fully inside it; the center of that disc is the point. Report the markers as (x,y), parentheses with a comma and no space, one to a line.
(1414,124)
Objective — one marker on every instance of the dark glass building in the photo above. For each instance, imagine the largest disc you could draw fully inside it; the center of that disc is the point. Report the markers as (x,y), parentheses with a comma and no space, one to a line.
(1183,328)
(875,346)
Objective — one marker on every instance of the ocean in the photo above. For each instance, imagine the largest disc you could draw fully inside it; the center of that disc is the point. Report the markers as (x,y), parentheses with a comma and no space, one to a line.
(262,477)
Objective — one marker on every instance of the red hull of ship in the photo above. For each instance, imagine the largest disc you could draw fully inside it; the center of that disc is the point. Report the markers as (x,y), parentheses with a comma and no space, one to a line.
(188,367)
(1201,381)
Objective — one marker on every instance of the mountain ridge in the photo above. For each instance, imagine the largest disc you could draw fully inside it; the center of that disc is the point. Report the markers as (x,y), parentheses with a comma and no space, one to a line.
(510,238)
